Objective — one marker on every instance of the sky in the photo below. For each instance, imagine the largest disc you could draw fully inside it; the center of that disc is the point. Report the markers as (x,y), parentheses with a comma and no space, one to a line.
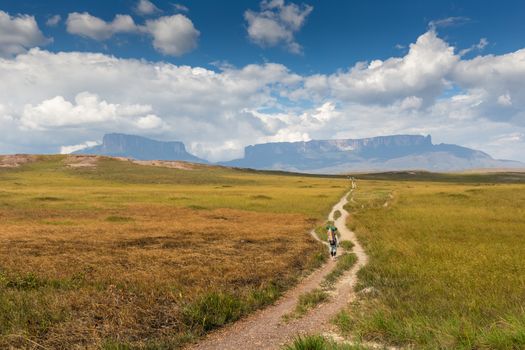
(223,75)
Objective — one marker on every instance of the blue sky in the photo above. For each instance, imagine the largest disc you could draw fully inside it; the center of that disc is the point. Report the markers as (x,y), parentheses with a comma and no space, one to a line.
(337,33)
(241,72)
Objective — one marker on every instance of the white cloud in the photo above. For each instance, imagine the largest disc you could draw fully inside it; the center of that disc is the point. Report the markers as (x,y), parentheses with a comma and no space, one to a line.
(277,23)
(411,102)
(180,8)
(421,73)
(53,21)
(87,109)
(483,42)
(448,22)
(173,35)
(505,100)
(19,33)
(74,148)
(92,27)
(499,77)
(150,121)
(146,7)
(196,105)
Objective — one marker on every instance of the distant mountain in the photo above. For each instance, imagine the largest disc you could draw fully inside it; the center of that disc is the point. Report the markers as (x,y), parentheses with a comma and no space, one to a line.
(398,152)
(140,148)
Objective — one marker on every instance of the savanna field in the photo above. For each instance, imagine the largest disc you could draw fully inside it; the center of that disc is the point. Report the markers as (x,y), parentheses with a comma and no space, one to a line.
(447,267)
(111,254)
(105,253)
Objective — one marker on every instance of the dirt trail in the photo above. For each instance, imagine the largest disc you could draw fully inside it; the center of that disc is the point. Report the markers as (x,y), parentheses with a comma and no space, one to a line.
(265,329)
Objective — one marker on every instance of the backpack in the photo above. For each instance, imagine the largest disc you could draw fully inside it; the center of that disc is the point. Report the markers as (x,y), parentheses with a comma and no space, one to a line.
(331,236)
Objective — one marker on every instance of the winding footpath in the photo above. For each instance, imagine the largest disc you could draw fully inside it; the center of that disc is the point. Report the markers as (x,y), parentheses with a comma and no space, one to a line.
(265,329)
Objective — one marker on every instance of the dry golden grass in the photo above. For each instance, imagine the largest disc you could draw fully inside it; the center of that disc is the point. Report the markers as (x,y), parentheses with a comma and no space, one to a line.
(99,263)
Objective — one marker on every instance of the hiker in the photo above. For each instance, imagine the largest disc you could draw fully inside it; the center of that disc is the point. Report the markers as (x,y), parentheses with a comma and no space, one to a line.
(331,232)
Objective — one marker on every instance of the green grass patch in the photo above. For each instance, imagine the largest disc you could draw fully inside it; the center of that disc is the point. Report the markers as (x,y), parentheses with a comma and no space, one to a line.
(215,309)
(116,218)
(347,245)
(318,259)
(337,214)
(306,302)
(212,310)
(344,263)
(317,342)
(447,261)
(31,281)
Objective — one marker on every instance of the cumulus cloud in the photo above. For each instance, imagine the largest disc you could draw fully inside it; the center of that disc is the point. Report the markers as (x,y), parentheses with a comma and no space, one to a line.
(151,121)
(499,78)
(88,26)
(92,27)
(19,33)
(53,21)
(146,7)
(173,35)
(421,73)
(87,109)
(277,23)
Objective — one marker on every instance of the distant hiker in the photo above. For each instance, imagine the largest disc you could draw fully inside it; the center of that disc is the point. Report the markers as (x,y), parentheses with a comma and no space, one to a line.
(331,232)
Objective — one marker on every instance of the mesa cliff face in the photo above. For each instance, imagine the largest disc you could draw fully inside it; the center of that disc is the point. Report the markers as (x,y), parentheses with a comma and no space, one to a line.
(384,153)
(140,148)
(397,152)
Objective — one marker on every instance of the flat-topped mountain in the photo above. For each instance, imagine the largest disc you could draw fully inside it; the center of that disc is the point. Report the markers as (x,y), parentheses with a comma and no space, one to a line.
(397,152)
(141,148)
(384,153)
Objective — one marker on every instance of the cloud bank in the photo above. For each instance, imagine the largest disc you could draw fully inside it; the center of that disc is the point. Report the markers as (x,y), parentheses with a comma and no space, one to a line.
(478,102)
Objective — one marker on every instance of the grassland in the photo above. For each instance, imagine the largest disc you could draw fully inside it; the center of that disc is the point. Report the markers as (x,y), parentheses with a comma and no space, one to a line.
(123,255)
(446,261)
(317,342)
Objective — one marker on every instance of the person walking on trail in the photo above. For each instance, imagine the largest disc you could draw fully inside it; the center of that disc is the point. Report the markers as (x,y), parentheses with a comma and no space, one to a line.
(331,232)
